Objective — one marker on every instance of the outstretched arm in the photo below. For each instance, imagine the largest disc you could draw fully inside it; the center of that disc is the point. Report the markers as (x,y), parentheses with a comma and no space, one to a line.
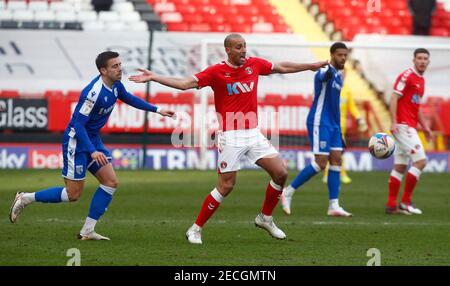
(178,83)
(138,103)
(290,67)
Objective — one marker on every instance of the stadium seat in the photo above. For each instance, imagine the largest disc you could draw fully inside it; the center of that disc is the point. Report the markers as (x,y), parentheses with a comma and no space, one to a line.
(44,15)
(38,5)
(222,15)
(6,15)
(16,5)
(30,25)
(200,27)
(272,98)
(9,24)
(51,25)
(6,93)
(53,93)
(178,27)
(73,94)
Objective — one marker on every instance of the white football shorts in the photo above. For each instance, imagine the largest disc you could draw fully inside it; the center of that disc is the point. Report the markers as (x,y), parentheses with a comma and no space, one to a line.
(408,145)
(233,145)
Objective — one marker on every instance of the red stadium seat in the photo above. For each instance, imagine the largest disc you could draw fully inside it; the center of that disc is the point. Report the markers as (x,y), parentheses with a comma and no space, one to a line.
(193,18)
(182,27)
(223,28)
(73,94)
(53,93)
(273,98)
(200,27)
(441,32)
(164,95)
(185,97)
(7,93)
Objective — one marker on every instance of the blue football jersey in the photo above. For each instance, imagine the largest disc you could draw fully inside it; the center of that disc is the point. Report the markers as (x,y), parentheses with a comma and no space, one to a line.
(325,109)
(96,102)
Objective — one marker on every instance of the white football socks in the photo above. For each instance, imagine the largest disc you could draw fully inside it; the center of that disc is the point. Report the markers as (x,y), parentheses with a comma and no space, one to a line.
(88,226)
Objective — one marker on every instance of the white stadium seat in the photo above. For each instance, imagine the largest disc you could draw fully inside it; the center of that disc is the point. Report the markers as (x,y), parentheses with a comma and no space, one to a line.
(137,26)
(23,15)
(44,16)
(6,15)
(87,16)
(16,5)
(130,16)
(66,16)
(38,5)
(93,26)
(114,26)
(108,16)
(61,6)
(122,7)
(171,17)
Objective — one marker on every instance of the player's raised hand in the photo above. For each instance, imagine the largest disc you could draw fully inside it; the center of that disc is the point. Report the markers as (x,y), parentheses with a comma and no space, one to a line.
(100,158)
(318,65)
(145,76)
(168,113)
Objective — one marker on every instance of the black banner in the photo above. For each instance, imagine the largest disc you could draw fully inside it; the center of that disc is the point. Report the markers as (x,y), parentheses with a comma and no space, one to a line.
(23,114)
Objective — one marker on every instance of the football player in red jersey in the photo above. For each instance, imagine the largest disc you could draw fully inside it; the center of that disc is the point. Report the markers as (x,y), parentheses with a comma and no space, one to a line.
(405,111)
(235,83)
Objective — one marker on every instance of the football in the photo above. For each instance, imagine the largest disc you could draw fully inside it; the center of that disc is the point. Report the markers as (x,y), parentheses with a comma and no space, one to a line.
(381,145)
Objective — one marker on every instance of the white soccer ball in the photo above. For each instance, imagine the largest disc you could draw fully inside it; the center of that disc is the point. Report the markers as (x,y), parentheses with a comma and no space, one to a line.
(381,145)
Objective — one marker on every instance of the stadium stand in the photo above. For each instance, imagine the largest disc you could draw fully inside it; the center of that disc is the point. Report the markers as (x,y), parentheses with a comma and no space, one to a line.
(322,20)
(77,15)
(243,16)
(343,19)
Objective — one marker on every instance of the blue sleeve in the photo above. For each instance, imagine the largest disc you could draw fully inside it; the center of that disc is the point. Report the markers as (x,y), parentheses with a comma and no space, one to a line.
(136,102)
(132,100)
(82,133)
(324,74)
(82,117)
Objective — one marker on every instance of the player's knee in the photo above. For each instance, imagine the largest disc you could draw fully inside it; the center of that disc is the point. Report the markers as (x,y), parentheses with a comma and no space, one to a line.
(112,183)
(322,164)
(280,176)
(420,164)
(74,194)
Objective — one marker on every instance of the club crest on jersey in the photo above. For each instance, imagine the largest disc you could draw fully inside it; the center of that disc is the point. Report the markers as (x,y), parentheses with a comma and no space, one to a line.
(227,74)
(415,99)
(223,165)
(238,87)
(323,144)
(248,70)
(336,85)
(79,169)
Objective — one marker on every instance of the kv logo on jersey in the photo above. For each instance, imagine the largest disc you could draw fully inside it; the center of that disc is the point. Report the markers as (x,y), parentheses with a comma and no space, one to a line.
(243,87)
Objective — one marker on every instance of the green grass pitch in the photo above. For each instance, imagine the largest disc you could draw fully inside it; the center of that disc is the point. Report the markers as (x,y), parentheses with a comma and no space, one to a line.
(152,210)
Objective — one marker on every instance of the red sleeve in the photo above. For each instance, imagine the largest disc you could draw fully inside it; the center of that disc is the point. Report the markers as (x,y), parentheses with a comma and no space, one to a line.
(265,67)
(400,84)
(205,77)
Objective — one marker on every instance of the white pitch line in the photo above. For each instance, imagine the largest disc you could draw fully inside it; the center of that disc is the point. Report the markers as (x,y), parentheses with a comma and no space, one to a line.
(348,222)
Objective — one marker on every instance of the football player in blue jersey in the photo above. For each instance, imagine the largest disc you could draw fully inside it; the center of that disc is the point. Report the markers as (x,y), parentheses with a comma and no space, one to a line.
(324,131)
(83,149)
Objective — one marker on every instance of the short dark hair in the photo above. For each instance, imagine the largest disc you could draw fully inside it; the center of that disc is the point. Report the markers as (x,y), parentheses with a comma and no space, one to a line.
(227,41)
(421,51)
(103,58)
(337,45)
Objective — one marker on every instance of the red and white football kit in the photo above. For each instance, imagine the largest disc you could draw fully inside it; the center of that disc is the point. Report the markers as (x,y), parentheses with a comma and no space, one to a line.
(235,97)
(410,86)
